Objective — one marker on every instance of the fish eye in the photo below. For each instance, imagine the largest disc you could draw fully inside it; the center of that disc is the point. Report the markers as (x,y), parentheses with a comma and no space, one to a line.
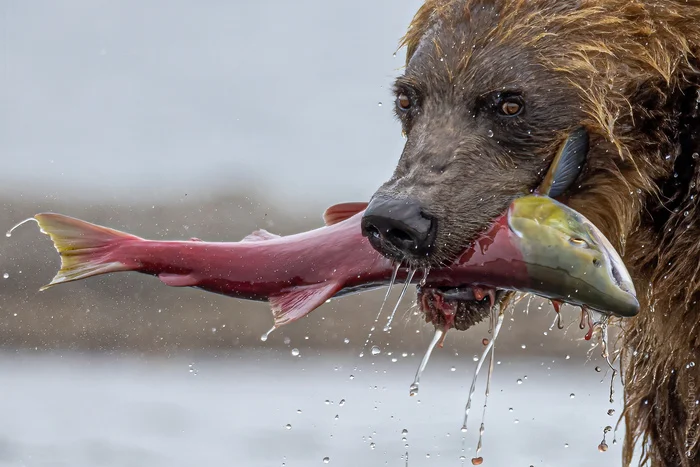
(579,242)
(510,106)
(403,102)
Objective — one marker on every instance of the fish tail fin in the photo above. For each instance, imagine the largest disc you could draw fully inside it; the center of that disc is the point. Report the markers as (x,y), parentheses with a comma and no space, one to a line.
(85,249)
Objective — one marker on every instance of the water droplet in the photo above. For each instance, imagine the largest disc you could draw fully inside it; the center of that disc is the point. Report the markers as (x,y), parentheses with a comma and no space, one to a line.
(484,341)
(490,133)
(267,334)
(566,445)
(372,446)
(5,276)
(597,369)
(516,421)
(611,412)
(520,381)
(572,395)
(192,369)
(288,426)
(295,352)
(603,446)
(326,460)
(287,340)
(341,403)
(376,350)
(298,410)
(404,432)
(477,460)
(453,369)
(696,155)
(379,104)
(346,340)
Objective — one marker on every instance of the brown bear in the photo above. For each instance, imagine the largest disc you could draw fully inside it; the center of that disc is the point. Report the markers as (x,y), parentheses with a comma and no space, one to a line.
(492,87)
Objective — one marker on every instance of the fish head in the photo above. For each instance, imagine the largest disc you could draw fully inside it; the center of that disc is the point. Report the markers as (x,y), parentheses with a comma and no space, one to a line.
(569,259)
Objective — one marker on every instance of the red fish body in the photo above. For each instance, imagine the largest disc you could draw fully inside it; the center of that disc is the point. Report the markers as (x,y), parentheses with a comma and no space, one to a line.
(296,273)
(529,248)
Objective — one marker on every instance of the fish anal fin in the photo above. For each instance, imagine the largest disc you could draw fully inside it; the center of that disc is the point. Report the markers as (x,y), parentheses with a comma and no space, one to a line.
(178,280)
(297,302)
(340,212)
(259,235)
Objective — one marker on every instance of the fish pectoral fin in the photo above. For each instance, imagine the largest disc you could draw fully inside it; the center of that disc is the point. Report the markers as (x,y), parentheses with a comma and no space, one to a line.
(259,235)
(297,302)
(178,280)
(340,212)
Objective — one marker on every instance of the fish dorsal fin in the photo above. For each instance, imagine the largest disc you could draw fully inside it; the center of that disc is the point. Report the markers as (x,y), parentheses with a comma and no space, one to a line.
(567,164)
(259,235)
(340,212)
(297,302)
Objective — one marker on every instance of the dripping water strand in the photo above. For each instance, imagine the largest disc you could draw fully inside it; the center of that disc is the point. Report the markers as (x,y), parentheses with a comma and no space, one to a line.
(479,444)
(9,232)
(606,355)
(267,334)
(424,280)
(497,329)
(413,390)
(394,273)
(411,273)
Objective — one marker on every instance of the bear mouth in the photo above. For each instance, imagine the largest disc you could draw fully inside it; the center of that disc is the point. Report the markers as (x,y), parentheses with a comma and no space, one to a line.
(457,307)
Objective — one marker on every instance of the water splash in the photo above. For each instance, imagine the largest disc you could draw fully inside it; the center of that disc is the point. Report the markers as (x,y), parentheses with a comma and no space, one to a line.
(411,273)
(9,232)
(497,329)
(394,273)
(413,390)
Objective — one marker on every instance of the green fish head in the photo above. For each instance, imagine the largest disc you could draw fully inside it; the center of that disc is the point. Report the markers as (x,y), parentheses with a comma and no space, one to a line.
(569,259)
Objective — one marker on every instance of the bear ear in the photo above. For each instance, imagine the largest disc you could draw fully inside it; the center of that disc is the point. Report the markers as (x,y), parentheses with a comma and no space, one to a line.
(567,164)
(340,212)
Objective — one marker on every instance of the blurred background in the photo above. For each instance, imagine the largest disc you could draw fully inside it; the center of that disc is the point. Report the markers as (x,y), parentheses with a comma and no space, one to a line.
(213,119)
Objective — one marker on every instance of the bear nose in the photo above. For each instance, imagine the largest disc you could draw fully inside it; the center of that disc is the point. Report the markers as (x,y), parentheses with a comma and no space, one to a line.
(399,228)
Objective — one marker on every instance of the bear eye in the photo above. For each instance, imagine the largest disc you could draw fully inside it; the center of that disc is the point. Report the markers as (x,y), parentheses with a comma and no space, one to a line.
(511,106)
(403,102)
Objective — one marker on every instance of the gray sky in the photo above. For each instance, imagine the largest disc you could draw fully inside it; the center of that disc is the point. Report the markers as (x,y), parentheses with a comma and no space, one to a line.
(151,99)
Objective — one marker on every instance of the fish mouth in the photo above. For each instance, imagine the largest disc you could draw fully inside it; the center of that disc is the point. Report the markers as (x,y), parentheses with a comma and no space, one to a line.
(457,307)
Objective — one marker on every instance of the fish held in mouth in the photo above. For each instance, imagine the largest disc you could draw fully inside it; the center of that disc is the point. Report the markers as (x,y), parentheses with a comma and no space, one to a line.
(538,246)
